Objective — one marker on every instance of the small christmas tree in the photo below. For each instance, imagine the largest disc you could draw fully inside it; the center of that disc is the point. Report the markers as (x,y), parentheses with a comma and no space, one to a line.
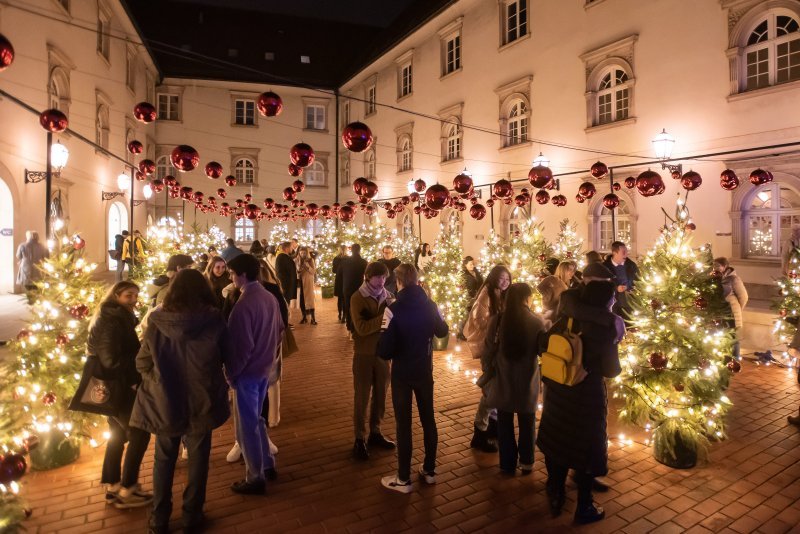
(198,241)
(12,467)
(788,303)
(494,252)
(677,358)
(279,234)
(568,245)
(444,278)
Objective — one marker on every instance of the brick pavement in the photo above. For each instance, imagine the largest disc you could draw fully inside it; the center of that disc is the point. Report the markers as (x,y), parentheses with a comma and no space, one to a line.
(752,482)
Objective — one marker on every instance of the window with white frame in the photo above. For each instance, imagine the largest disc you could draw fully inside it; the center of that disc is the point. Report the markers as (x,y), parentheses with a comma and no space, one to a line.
(517,124)
(772,52)
(244,112)
(514,16)
(244,230)
(244,169)
(516,220)
(451,60)
(610,82)
(453,142)
(613,96)
(369,164)
(58,89)
(315,227)
(404,153)
(405,79)
(608,228)
(103,31)
(102,125)
(371,99)
(345,169)
(315,117)
(314,174)
(772,211)
(163,167)
(169,107)
(408,226)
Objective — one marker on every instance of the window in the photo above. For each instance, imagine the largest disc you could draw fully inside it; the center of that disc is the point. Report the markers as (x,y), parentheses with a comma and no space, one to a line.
(346,111)
(405,80)
(610,83)
(404,153)
(244,230)
(515,20)
(517,125)
(315,173)
(163,167)
(773,210)
(453,143)
(103,31)
(772,52)
(245,171)
(369,164)
(516,220)
(452,54)
(130,69)
(604,231)
(408,226)
(102,126)
(454,221)
(169,107)
(345,169)
(244,112)
(371,100)
(613,97)
(315,117)
(58,89)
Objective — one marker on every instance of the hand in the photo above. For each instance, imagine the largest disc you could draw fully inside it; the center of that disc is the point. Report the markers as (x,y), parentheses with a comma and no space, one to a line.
(622,288)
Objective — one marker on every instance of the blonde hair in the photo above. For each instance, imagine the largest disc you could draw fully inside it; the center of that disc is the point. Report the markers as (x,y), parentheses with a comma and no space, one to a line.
(562,271)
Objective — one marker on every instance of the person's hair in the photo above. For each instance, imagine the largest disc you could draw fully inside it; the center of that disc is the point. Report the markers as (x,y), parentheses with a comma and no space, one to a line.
(387,247)
(722,261)
(551,265)
(137,232)
(425,249)
(209,272)
(616,245)
(188,291)
(376,268)
(514,334)
(563,269)
(179,261)
(598,293)
(285,245)
(32,235)
(491,283)
(271,249)
(212,248)
(255,247)
(355,248)
(230,242)
(112,295)
(466,260)
(593,257)
(342,249)
(295,240)
(245,264)
(125,232)
(203,257)
(406,275)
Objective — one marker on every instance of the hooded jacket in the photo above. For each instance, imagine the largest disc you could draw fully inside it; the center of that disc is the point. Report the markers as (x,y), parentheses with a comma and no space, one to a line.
(735,294)
(183,388)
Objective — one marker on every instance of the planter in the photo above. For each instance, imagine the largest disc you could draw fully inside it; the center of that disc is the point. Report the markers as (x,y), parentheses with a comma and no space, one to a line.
(440,343)
(54,450)
(327,292)
(684,457)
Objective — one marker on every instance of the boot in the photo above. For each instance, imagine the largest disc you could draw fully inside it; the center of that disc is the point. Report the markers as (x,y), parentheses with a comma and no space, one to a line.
(491,429)
(305,319)
(556,497)
(794,419)
(313,317)
(480,441)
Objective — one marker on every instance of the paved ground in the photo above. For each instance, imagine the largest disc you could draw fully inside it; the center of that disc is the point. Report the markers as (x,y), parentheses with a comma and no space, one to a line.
(751,484)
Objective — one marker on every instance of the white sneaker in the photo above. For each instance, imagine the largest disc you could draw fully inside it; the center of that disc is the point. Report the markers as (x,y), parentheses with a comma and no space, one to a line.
(112,491)
(428,477)
(273,449)
(235,453)
(393,483)
(184,453)
(132,497)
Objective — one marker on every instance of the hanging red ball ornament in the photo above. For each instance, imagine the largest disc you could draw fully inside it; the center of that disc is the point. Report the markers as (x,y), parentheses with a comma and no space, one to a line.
(140,176)
(186,193)
(230,180)
(269,104)
(700,303)
(658,361)
(49,398)
(691,180)
(23,335)
(221,193)
(213,170)
(79,311)
(78,243)
(587,190)
(734,366)
(490,203)
(391,214)
(477,212)
(540,176)
(503,189)
(170,180)
(294,170)
(579,199)
(649,183)
(357,137)
(144,112)
(371,189)
(542,197)
(298,186)
(346,213)
(437,197)
(184,158)
(135,147)
(289,194)
(12,468)
(760,177)
(463,184)
(599,169)
(611,201)
(53,120)
(147,167)
(251,211)
(420,185)
(359,186)
(198,196)
(559,200)
(6,53)
(302,155)
(690,227)
(615,186)
(630,182)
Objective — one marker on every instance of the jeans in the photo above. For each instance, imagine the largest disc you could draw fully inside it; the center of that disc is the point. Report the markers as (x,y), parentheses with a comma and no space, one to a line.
(483,413)
(557,478)
(507,443)
(370,373)
(251,428)
(194,495)
(401,400)
(137,440)
(120,270)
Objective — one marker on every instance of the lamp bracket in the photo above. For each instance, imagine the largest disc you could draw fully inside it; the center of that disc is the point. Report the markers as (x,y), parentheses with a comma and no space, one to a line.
(673,169)
(33,177)
(114,194)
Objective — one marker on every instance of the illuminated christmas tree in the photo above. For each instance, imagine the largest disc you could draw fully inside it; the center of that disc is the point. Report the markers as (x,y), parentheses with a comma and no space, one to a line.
(788,303)
(198,241)
(12,468)
(326,244)
(443,276)
(279,234)
(568,245)
(677,358)
(494,252)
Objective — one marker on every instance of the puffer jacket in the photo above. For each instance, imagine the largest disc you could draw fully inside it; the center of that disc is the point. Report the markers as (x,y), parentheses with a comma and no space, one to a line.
(735,294)
(183,388)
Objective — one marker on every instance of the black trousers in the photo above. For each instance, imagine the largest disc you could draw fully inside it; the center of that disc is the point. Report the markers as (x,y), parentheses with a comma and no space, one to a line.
(510,448)
(422,390)
(557,478)
(114,469)
(340,305)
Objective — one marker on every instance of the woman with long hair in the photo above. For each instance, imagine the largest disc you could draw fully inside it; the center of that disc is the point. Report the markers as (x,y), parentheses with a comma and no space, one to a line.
(257,249)
(183,391)
(516,382)
(488,303)
(306,271)
(552,286)
(217,275)
(112,338)
(424,257)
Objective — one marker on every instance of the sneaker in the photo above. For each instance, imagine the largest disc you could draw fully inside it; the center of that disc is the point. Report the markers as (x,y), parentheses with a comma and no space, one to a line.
(244,487)
(589,514)
(235,453)
(132,497)
(273,449)
(428,476)
(526,469)
(393,483)
(112,490)
(380,441)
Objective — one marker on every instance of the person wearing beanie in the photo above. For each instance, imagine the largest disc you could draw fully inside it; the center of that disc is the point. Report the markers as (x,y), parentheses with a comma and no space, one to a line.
(158,289)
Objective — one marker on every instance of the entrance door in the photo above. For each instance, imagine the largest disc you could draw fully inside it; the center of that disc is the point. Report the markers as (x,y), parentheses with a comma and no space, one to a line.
(117,222)
(7,267)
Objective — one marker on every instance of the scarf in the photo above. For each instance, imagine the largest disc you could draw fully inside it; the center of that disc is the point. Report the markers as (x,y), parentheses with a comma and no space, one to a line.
(379,295)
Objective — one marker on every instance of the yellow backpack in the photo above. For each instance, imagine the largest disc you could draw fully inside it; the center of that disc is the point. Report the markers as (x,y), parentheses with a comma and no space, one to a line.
(562,361)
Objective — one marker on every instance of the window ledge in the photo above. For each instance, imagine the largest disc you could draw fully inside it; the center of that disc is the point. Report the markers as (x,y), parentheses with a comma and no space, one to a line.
(405,96)
(450,74)
(368,115)
(410,170)
(343,185)
(526,144)
(453,160)
(588,5)
(613,124)
(318,186)
(757,262)
(515,41)
(237,125)
(242,184)
(325,130)
(788,86)
(172,121)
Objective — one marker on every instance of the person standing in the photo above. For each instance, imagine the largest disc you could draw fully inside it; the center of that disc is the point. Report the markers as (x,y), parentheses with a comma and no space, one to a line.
(112,339)
(625,272)
(231,250)
(413,321)
(551,288)
(338,290)
(424,257)
(183,392)
(306,271)
(255,327)
(391,264)
(133,251)
(30,254)
(516,382)
(472,278)
(735,294)
(119,241)
(353,268)
(370,373)
(286,270)
(217,275)
(175,263)
(256,249)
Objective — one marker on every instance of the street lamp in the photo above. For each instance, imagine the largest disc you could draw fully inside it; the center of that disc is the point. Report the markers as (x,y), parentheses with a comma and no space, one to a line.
(541,161)
(123,182)
(58,159)
(147,191)
(410,186)
(663,144)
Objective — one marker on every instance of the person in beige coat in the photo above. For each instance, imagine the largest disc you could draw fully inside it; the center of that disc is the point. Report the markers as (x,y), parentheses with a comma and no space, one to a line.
(306,272)
(735,294)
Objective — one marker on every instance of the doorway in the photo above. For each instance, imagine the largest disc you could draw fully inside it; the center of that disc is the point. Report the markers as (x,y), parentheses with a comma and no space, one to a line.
(7,267)
(117,222)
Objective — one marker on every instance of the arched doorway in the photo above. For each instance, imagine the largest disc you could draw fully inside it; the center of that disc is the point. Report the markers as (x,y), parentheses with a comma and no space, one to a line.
(6,239)
(117,222)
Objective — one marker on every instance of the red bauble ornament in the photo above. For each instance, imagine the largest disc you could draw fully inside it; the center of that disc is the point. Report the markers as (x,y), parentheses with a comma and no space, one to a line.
(230,180)
(587,190)
(53,120)
(704,363)
(298,186)
(691,180)
(302,155)
(23,335)
(269,104)
(289,194)
(420,185)
(49,398)
(140,176)
(477,212)
(213,170)
(691,227)
(312,209)
(559,200)
(658,361)
(184,158)
(599,169)
(198,196)
(630,182)
(12,468)
(615,186)
(700,303)
(413,197)
(294,170)
(437,197)
(503,189)
(370,190)
(611,201)
(221,193)
(655,304)
(135,147)
(542,197)
(357,137)
(540,176)
(649,183)
(679,387)
(490,203)
(734,366)
(79,311)
(170,180)
(760,177)
(251,211)
(728,180)
(269,203)
(359,186)
(579,199)
(6,53)
(144,112)
(391,214)
(62,339)
(147,167)
(186,193)
(78,243)
(346,213)
(463,184)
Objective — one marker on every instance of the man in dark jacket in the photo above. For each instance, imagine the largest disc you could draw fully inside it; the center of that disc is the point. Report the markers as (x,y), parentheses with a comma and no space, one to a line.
(625,272)
(413,320)
(286,271)
(119,241)
(353,269)
(391,264)
(337,281)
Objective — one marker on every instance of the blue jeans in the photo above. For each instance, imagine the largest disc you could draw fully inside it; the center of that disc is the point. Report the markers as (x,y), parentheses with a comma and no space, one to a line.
(251,428)
(507,443)
(194,495)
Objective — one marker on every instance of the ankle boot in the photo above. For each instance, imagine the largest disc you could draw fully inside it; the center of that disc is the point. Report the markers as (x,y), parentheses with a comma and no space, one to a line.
(480,441)
(588,513)
(313,317)
(491,429)
(304,320)
(794,419)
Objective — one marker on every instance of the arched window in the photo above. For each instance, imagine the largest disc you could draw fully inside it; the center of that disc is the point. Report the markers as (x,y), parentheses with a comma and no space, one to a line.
(517,123)
(453,221)
(453,142)
(404,153)
(771,212)
(117,222)
(314,227)
(369,164)
(163,167)
(245,171)
(772,53)
(346,171)
(58,89)
(604,231)
(315,173)
(613,96)
(102,126)
(408,226)
(244,230)
(516,219)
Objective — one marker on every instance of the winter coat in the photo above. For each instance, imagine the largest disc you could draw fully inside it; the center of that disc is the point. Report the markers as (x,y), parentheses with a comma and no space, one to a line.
(735,294)
(423,262)
(408,340)
(367,316)
(112,338)
(477,324)
(391,280)
(232,294)
(230,252)
(138,250)
(183,387)
(551,288)
(472,283)
(632,273)
(306,271)
(158,289)
(218,283)
(286,271)
(353,268)
(516,380)
(336,267)
(30,254)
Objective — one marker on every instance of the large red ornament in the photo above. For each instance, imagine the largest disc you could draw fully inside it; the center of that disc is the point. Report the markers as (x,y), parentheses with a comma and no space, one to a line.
(503,189)
(298,186)
(728,180)
(302,155)
(700,303)
(615,186)
(760,177)
(221,193)
(587,190)
(540,176)
(147,167)
(490,203)
(691,180)
(157,185)
(230,180)
(135,147)
(559,200)
(658,361)
(6,53)
(312,209)
(611,201)
(357,137)
(12,467)
(580,199)
(144,112)
(184,158)
(198,196)
(186,193)
(294,170)
(734,366)
(269,203)
(289,194)
(599,169)
(346,213)
(391,214)
(420,185)
(542,197)
(269,104)
(359,186)
(437,197)
(170,180)
(53,120)
(370,190)
(630,182)
(477,212)
(213,170)
(463,184)
(649,183)
(251,211)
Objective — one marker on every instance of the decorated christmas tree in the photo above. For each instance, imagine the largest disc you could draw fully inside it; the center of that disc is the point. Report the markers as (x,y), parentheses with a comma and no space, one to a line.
(198,241)
(326,245)
(12,469)
(279,234)
(568,245)
(788,303)
(443,276)
(677,356)
(494,252)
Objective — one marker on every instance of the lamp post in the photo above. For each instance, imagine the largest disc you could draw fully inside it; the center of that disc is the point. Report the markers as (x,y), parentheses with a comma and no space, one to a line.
(57,156)
(663,144)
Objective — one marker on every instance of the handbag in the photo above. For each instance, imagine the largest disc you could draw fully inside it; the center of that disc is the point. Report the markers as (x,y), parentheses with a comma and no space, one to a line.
(114,254)
(96,392)
(289,342)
